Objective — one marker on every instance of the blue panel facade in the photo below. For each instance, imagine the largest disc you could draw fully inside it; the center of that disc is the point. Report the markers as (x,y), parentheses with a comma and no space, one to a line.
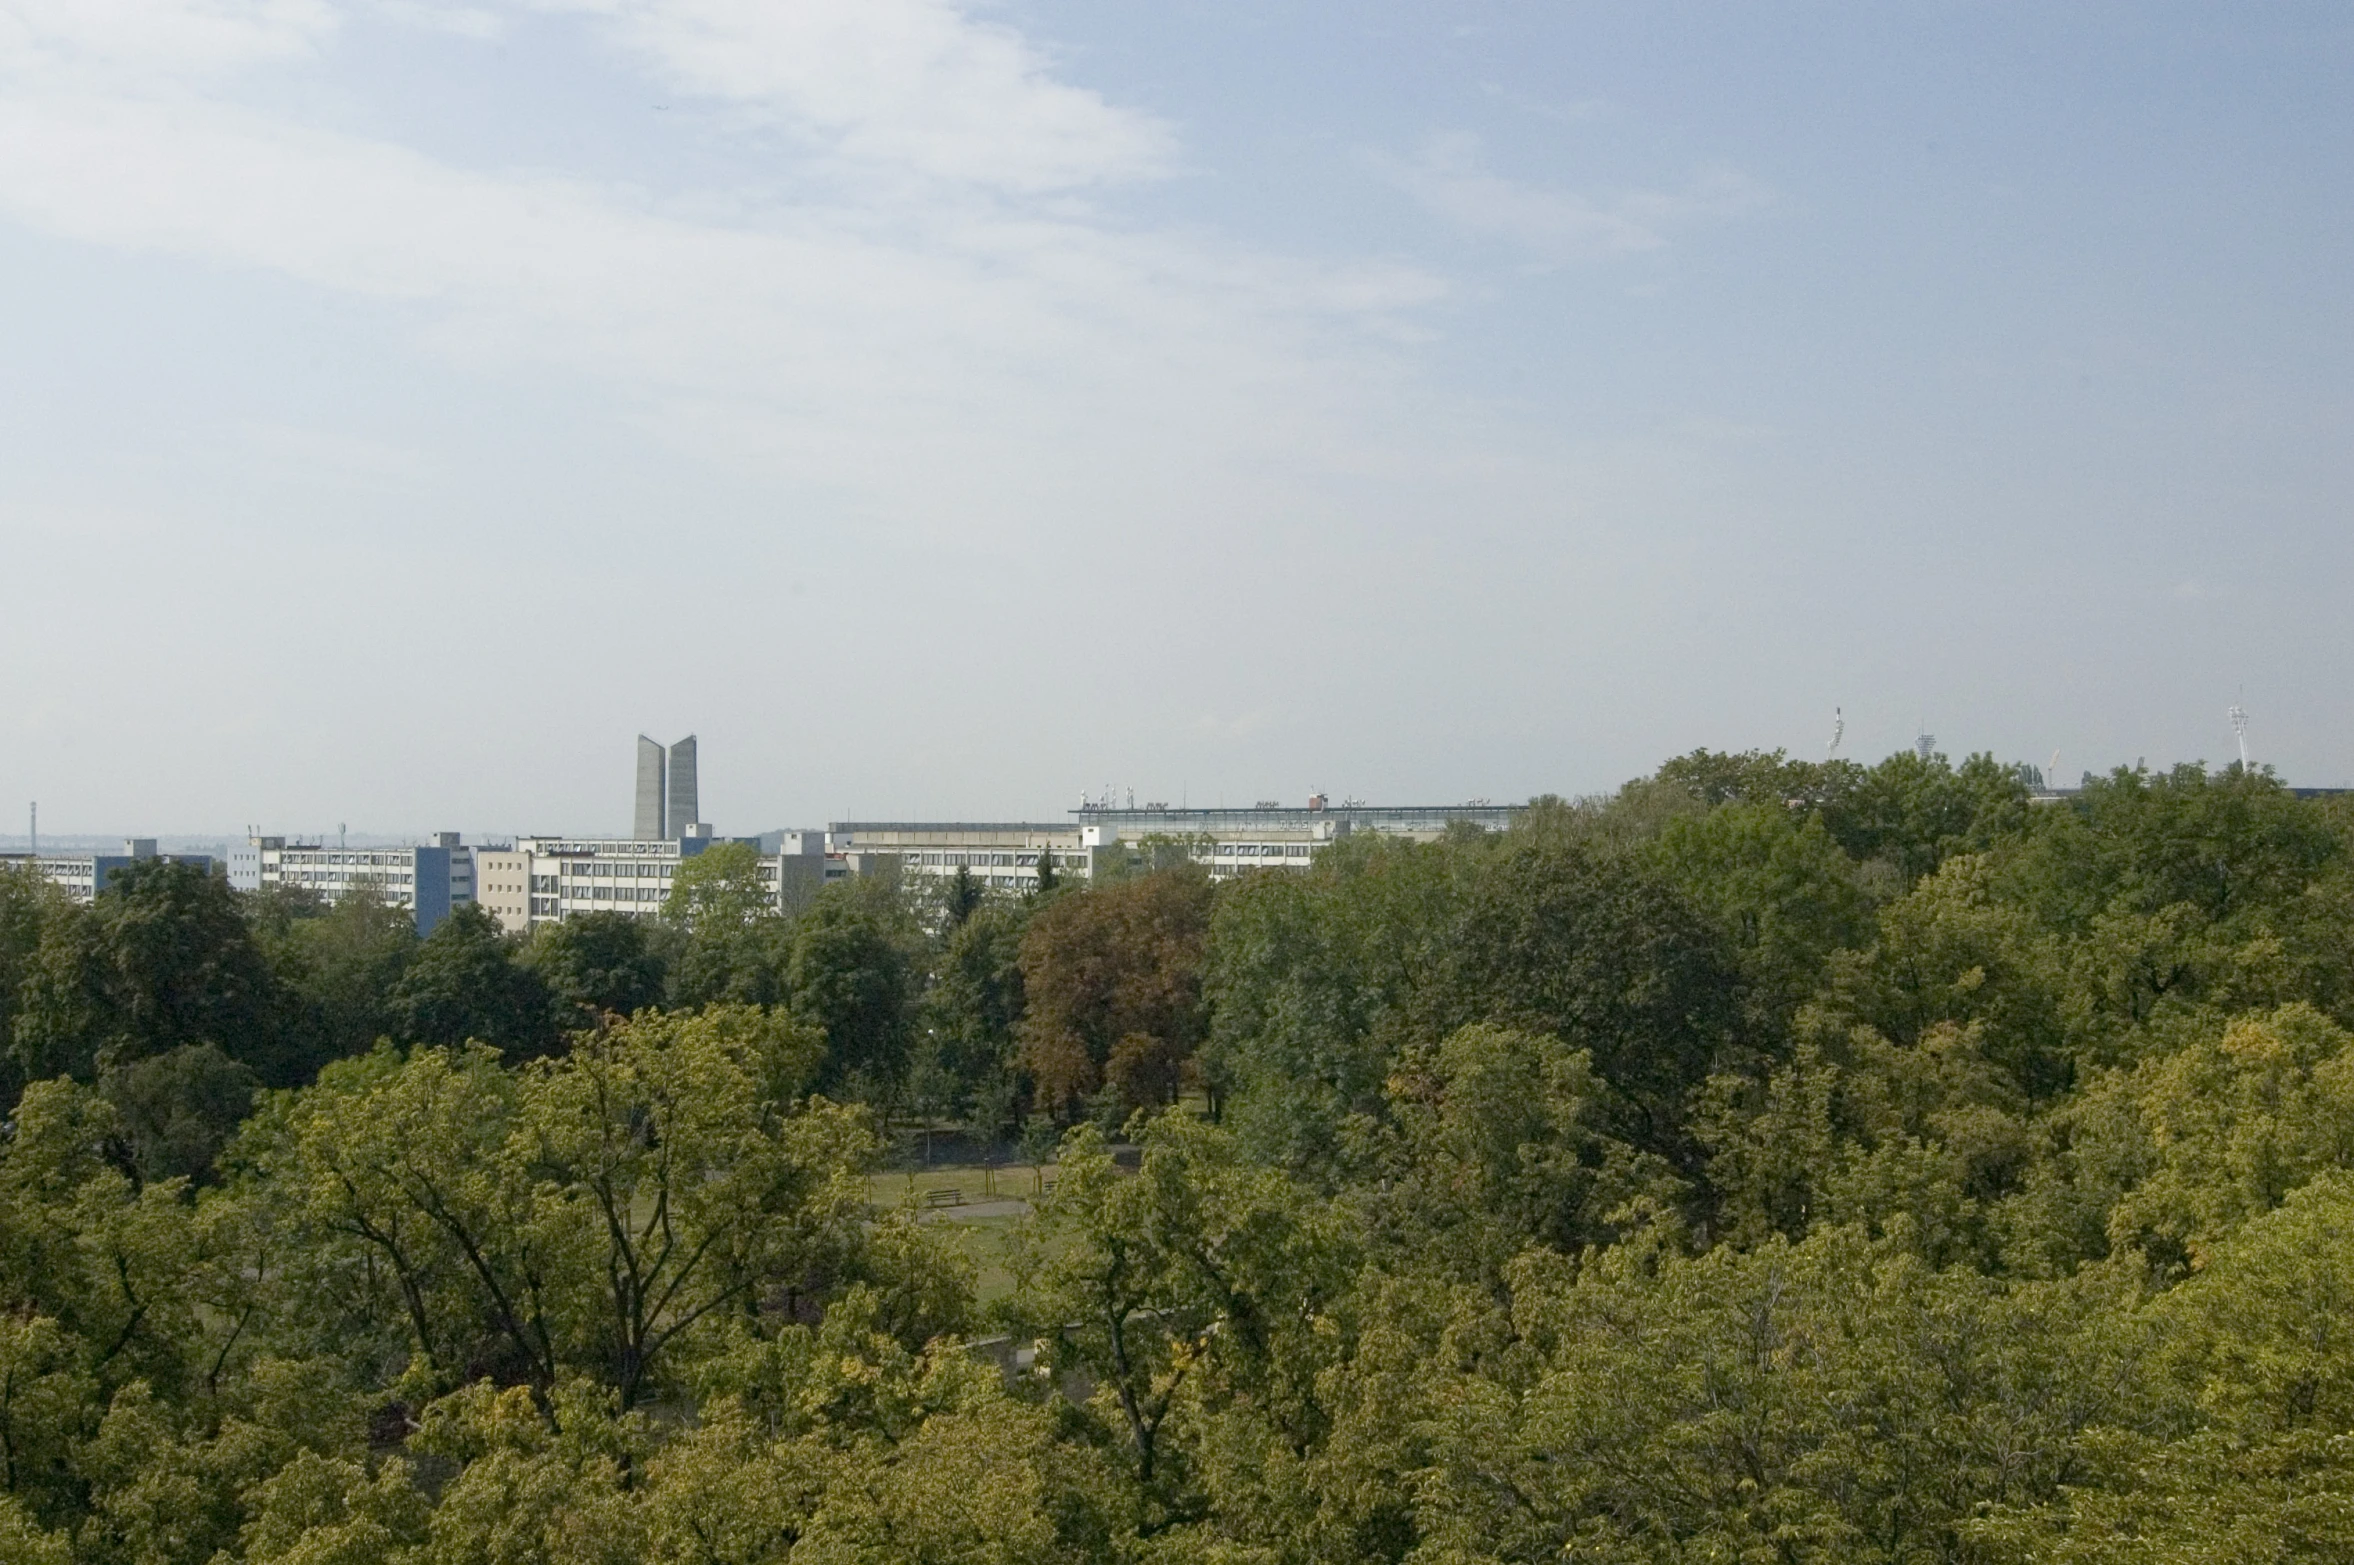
(432,872)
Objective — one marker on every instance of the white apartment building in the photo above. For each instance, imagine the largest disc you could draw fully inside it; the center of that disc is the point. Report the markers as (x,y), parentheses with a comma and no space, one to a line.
(1270,836)
(1228,842)
(1002,855)
(541,880)
(82,875)
(431,881)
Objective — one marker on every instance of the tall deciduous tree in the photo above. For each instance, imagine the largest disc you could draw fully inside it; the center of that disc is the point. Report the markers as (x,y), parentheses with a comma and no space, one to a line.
(162,959)
(732,939)
(975,1001)
(850,974)
(338,967)
(598,964)
(29,904)
(1113,983)
(466,986)
(581,1215)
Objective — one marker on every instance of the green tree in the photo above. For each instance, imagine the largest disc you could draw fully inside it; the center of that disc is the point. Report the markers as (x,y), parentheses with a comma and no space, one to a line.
(962,898)
(732,939)
(595,1215)
(1112,983)
(2252,1377)
(1550,937)
(179,1109)
(1306,977)
(29,905)
(1198,1299)
(161,959)
(1913,814)
(1502,1143)
(598,964)
(975,1001)
(1778,885)
(337,966)
(466,986)
(1821,1401)
(850,975)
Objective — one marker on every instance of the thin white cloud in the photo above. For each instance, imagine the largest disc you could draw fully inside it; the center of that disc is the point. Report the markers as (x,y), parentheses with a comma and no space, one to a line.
(155,40)
(459,20)
(1449,179)
(1561,112)
(912,84)
(877,348)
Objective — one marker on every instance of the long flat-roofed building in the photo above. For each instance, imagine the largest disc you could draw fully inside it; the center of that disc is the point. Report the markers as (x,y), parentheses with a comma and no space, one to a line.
(1227,842)
(1000,854)
(430,880)
(82,875)
(541,880)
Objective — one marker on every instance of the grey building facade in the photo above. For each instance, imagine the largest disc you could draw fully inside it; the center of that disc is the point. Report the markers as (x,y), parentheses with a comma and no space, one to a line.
(669,806)
(682,815)
(430,881)
(82,876)
(652,813)
(1225,842)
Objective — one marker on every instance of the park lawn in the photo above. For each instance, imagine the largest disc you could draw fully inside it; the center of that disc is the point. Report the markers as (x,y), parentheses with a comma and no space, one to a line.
(980,1240)
(982,1243)
(1012,1182)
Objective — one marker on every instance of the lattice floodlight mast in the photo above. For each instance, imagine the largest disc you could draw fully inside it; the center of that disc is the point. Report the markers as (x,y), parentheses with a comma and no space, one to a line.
(2239,730)
(1838,732)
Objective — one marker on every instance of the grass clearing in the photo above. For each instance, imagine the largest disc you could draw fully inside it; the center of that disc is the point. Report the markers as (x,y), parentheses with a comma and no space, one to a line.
(979,1236)
(976,1182)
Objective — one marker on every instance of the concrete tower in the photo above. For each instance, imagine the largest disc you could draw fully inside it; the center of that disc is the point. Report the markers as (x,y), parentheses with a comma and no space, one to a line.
(681,811)
(652,801)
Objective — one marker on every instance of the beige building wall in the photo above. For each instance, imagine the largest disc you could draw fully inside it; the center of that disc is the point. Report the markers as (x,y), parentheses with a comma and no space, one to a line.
(502,883)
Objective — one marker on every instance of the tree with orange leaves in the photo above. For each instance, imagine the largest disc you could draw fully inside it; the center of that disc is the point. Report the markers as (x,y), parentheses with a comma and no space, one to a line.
(1113,977)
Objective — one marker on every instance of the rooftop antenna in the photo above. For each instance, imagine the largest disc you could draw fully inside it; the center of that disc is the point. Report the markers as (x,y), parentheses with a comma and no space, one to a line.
(2051,776)
(1838,731)
(2239,730)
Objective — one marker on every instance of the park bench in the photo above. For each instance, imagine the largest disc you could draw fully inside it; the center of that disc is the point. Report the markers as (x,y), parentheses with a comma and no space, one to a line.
(947,1196)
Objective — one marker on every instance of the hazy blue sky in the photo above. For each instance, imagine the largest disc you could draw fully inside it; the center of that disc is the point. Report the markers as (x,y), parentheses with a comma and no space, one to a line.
(946,408)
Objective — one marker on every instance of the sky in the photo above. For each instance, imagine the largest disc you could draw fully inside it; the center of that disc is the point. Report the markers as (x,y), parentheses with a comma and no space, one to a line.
(950,409)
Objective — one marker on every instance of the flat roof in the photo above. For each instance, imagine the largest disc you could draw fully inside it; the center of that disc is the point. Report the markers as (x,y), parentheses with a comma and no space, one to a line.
(854,827)
(1304,811)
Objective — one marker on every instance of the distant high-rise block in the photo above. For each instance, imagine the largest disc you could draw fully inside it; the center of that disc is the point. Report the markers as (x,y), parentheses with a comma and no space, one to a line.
(652,823)
(681,811)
